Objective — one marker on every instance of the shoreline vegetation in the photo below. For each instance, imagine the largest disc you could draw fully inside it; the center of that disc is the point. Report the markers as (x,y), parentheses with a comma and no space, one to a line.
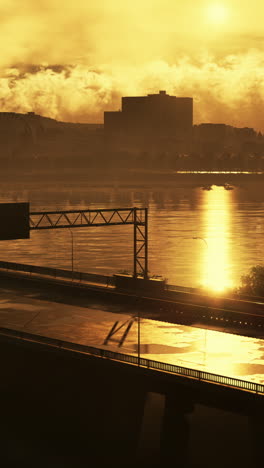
(252,283)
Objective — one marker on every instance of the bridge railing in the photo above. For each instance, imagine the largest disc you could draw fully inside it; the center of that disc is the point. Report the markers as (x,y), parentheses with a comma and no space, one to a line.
(107,280)
(194,374)
(56,272)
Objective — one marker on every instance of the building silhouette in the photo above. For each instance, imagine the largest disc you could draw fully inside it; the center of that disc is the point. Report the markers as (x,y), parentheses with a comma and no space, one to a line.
(155,118)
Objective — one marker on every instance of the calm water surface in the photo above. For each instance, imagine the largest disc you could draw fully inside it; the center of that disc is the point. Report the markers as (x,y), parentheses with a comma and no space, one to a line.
(196,237)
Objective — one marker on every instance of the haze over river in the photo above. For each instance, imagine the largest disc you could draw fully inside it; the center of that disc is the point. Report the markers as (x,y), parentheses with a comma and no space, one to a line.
(196,236)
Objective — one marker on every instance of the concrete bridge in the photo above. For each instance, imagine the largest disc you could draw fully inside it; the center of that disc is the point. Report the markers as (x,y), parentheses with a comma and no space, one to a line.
(240,315)
(69,404)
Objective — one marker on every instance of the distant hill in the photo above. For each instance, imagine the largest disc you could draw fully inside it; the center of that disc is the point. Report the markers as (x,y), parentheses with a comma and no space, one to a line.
(33,135)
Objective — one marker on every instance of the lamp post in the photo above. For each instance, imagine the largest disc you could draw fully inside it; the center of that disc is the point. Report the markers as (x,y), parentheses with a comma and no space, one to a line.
(205,334)
(71,251)
(138,338)
(202,238)
(138,328)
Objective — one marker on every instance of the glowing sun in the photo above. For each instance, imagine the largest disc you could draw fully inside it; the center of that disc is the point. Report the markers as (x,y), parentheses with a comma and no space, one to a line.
(217,13)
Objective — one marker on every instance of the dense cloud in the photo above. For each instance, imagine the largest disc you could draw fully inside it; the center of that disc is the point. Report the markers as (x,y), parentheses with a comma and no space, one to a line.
(230,91)
(73,60)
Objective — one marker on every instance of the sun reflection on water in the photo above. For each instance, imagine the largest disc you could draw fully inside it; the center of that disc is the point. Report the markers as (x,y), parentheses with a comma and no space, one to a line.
(216,253)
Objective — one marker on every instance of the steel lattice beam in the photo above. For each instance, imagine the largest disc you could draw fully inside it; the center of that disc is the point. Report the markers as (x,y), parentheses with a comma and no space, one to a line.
(141,242)
(105,217)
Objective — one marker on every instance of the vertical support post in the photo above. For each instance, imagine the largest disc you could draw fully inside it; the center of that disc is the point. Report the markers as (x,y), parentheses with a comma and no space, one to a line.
(146,244)
(135,242)
(135,274)
(138,336)
(71,251)
(72,255)
(140,218)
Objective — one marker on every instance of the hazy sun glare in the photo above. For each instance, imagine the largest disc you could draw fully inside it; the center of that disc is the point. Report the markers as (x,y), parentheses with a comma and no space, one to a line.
(217,14)
(216,273)
(73,60)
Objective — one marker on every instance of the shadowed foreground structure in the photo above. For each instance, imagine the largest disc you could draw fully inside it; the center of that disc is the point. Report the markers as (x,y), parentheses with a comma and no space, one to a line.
(67,409)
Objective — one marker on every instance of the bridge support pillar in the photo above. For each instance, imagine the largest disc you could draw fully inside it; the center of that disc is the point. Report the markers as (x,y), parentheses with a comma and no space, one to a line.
(256,438)
(175,433)
(149,440)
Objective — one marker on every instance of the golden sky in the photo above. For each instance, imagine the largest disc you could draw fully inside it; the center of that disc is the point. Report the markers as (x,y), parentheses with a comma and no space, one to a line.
(71,59)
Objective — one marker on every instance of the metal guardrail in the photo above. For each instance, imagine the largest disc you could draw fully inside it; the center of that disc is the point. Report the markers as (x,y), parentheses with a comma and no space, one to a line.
(174,287)
(233,296)
(109,280)
(56,273)
(194,374)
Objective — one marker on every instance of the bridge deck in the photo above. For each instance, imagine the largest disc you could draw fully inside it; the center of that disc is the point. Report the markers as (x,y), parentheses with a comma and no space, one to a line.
(189,307)
(87,321)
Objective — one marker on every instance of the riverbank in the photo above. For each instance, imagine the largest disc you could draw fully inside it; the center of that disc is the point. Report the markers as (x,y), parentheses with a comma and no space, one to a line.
(119,177)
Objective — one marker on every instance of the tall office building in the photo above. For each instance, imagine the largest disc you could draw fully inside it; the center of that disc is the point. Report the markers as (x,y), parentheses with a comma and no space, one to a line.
(151,118)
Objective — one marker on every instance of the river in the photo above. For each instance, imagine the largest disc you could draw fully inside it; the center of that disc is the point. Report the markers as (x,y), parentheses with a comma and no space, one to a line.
(197,237)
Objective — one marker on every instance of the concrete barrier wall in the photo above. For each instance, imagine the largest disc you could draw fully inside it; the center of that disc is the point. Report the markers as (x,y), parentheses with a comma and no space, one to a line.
(55,272)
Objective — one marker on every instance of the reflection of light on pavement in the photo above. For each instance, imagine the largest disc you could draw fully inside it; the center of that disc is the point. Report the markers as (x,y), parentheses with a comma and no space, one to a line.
(208,350)
(185,363)
(216,275)
(195,348)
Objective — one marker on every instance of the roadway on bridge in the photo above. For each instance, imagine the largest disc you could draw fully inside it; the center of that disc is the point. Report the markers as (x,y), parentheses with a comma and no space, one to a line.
(33,310)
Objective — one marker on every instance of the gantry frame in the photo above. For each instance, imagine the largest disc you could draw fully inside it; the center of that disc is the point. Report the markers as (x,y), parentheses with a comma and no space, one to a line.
(138,217)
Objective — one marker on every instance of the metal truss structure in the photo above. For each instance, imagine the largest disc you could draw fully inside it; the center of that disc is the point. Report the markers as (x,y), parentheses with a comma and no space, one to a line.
(141,242)
(138,217)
